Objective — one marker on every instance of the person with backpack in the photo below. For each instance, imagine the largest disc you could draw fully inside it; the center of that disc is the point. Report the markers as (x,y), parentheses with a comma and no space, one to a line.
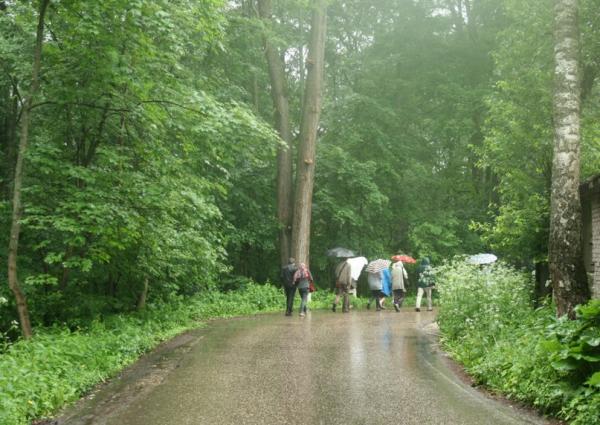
(287,280)
(302,279)
(425,283)
(343,284)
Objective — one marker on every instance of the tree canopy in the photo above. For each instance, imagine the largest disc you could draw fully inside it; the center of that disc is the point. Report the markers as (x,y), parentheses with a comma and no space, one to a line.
(152,146)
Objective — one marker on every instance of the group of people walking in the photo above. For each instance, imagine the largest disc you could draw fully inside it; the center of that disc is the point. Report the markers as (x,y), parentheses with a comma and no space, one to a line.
(383,283)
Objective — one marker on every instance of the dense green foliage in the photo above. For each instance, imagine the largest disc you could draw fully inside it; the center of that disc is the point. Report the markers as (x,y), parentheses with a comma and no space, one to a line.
(151,157)
(489,324)
(132,163)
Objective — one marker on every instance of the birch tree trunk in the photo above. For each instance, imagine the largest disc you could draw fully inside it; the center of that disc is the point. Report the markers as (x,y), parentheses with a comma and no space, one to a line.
(282,122)
(13,246)
(311,110)
(565,245)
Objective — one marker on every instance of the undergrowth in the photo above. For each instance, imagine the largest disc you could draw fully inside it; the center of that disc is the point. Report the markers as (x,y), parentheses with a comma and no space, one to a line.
(58,365)
(489,324)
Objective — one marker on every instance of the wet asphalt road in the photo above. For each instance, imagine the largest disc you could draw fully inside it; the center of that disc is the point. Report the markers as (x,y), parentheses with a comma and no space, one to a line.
(364,367)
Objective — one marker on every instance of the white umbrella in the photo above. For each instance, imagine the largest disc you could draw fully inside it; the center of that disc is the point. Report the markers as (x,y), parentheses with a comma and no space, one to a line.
(356,266)
(480,259)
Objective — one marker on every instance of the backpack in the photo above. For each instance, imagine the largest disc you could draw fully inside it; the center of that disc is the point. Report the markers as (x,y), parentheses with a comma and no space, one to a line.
(287,274)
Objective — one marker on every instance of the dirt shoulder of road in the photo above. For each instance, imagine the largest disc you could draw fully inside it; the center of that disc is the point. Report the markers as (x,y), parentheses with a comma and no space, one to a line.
(132,383)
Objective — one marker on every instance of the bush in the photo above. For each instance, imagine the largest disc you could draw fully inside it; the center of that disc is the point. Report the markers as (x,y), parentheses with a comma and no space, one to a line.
(488,324)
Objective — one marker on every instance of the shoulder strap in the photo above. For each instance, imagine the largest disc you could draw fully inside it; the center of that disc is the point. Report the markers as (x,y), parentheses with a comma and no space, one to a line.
(341,270)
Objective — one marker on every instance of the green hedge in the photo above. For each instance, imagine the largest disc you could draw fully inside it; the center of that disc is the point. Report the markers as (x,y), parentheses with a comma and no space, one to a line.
(489,324)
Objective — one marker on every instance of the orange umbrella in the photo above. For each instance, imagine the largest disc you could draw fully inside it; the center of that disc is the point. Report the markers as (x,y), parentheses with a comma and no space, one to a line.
(404,258)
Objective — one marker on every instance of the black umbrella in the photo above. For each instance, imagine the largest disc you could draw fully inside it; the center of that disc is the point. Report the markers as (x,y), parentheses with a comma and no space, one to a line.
(340,252)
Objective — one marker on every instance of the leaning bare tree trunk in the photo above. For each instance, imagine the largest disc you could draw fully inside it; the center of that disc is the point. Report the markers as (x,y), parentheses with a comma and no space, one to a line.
(13,246)
(311,110)
(282,121)
(565,245)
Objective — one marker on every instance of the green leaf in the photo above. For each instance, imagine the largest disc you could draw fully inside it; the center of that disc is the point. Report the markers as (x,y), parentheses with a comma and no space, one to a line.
(594,380)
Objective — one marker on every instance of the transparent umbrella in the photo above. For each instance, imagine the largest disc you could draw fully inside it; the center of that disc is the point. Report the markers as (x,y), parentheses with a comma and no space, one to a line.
(480,259)
(340,252)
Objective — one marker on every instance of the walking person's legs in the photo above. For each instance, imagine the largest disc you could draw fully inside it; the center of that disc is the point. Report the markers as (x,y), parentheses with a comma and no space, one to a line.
(346,301)
(401,297)
(290,292)
(428,292)
(304,296)
(380,300)
(419,297)
(338,292)
(398,298)
(374,297)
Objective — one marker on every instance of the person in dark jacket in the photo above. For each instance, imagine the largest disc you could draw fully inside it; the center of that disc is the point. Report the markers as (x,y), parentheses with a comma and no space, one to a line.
(425,283)
(287,280)
(302,279)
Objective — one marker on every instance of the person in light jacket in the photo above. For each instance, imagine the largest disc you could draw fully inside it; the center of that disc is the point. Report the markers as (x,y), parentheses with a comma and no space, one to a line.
(399,276)
(374,280)
(343,284)
(302,279)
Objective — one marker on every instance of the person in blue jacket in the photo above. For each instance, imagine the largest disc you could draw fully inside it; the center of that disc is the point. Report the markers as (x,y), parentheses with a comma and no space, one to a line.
(386,285)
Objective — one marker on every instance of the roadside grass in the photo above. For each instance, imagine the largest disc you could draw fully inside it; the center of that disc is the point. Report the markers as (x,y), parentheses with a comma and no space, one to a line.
(488,323)
(57,366)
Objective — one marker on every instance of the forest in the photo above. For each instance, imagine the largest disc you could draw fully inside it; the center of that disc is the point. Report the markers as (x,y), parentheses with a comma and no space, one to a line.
(160,161)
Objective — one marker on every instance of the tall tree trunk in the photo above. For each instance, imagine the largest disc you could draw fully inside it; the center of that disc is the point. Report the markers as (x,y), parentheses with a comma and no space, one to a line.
(15,228)
(311,110)
(565,245)
(141,303)
(282,122)
(8,140)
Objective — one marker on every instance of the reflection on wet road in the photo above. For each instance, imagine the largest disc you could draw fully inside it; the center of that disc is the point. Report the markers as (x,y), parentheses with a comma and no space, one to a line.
(359,368)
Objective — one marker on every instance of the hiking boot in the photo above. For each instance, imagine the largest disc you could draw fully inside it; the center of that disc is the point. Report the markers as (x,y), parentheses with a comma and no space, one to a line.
(397,307)
(368,306)
(417,309)
(333,307)
(302,314)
